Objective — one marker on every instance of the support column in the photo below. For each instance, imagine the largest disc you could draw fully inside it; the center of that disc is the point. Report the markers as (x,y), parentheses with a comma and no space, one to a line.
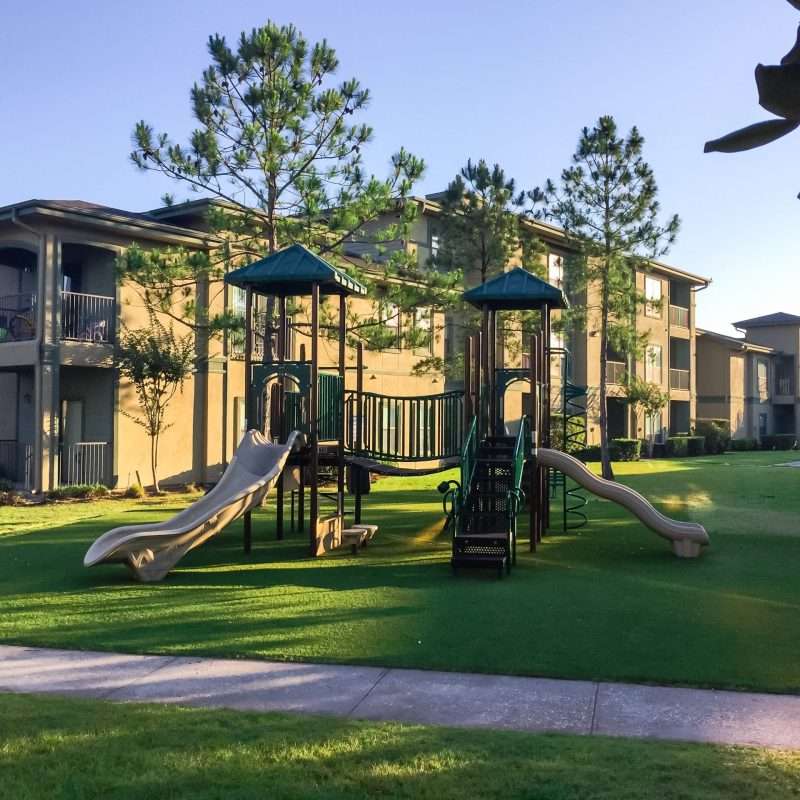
(483,394)
(546,433)
(282,430)
(341,409)
(533,487)
(468,410)
(357,476)
(248,398)
(314,422)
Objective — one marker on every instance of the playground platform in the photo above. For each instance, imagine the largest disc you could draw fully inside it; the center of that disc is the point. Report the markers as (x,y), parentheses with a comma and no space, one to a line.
(412,696)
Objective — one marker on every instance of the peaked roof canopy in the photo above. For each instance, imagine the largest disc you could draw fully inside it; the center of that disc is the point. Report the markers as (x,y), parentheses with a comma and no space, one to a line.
(292,271)
(516,290)
(780,318)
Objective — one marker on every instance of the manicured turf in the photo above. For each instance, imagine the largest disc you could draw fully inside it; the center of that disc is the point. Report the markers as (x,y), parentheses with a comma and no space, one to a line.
(51,747)
(608,602)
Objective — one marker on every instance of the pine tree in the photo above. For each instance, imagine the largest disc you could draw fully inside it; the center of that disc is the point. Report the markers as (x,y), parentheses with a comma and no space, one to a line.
(278,145)
(606,201)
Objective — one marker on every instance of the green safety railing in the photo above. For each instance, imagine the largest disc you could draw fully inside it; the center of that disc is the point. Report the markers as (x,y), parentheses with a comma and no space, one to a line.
(469,457)
(329,410)
(405,428)
(522,451)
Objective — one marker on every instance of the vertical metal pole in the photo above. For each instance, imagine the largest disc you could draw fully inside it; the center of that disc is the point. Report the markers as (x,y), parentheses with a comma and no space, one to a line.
(483,394)
(341,404)
(546,437)
(533,501)
(542,434)
(492,382)
(248,398)
(313,421)
(282,431)
(468,410)
(357,476)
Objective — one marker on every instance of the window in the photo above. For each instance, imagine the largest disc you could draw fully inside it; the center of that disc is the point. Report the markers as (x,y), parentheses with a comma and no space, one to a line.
(238,301)
(652,363)
(423,322)
(762,378)
(434,241)
(556,339)
(239,420)
(555,270)
(391,319)
(389,442)
(652,293)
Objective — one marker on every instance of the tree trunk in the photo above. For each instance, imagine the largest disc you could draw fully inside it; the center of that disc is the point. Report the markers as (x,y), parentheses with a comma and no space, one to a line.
(154,463)
(605,455)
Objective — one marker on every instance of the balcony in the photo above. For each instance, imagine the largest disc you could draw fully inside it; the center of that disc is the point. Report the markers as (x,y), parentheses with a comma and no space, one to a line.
(679,379)
(84,462)
(678,317)
(87,317)
(615,372)
(16,462)
(784,385)
(17,317)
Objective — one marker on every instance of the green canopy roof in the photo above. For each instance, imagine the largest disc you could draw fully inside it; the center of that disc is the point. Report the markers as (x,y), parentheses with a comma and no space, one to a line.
(516,290)
(292,271)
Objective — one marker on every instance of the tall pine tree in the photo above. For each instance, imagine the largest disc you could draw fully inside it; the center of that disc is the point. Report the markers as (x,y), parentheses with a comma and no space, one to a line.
(606,202)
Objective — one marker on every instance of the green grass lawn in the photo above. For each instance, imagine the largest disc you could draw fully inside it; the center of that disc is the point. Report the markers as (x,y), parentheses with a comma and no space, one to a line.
(52,747)
(607,602)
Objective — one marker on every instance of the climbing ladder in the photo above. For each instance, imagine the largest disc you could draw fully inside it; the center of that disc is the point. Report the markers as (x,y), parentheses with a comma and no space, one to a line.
(491,497)
(573,419)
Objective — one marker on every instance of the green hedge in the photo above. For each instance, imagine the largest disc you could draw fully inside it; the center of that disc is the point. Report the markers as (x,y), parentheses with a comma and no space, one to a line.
(619,450)
(717,436)
(81,491)
(680,446)
(779,441)
(741,445)
(626,449)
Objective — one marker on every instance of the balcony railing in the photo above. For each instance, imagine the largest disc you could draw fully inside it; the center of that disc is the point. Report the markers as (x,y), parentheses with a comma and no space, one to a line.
(679,316)
(784,385)
(16,462)
(84,462)
(679,379)
(87,317)
(17,317)
(615,372)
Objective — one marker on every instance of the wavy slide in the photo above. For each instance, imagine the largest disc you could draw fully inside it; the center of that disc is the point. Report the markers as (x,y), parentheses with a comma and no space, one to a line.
(686,537)
(151,551)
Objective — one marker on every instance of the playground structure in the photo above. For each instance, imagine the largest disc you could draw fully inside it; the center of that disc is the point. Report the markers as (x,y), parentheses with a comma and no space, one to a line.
(311,435)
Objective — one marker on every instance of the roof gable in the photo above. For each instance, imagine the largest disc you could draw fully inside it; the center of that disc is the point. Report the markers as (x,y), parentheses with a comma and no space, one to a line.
(292,271)
(767,321)
(517,290)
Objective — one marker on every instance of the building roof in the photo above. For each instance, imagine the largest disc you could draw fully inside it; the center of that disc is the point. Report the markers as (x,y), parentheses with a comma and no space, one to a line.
(735,343)
(518,290)
(96,213)
(292,271)
(769,320)
(432,202)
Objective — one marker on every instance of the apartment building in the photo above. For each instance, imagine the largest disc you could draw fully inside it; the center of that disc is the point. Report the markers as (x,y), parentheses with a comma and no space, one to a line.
(751,382)
(668,318)
(65,415)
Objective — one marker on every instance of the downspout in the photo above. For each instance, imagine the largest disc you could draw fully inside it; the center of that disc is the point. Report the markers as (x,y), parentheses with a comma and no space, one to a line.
(693,342)
(37,409)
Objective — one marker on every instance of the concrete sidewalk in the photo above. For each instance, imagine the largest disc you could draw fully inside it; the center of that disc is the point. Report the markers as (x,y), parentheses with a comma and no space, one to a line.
(436,698)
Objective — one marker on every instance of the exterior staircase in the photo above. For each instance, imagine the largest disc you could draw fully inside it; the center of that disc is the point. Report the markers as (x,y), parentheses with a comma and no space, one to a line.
(485,533)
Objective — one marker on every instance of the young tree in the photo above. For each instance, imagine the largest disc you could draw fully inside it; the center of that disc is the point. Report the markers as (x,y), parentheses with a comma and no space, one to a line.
(607,204)
(156,362)
(277,146)
(648,398)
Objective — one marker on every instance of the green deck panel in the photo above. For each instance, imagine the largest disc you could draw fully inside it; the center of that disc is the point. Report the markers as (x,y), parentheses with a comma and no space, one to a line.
(291,272)
(516,290)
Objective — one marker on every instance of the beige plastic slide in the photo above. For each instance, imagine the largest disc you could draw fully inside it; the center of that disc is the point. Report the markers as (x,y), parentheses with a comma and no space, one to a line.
(686,537)
(151,551)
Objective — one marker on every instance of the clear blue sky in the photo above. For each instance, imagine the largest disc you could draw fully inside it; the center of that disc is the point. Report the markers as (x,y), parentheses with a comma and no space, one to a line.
(510,81)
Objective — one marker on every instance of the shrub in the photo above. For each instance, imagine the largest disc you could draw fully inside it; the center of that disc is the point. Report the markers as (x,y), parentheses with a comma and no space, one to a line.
(8,497)
(681,446)
(625,449)
(779,441)
(741,445)
(80,491)
(717,436)
(697,445)
(135,491)
(6,485)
